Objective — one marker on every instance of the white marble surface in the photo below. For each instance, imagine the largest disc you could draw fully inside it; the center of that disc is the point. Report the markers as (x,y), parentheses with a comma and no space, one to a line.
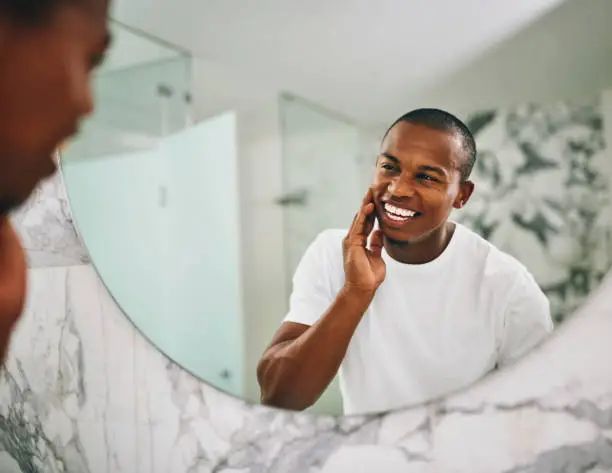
(84,392)
(46,227)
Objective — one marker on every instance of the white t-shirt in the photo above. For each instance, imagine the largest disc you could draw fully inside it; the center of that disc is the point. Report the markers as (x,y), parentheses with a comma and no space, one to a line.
(432,328)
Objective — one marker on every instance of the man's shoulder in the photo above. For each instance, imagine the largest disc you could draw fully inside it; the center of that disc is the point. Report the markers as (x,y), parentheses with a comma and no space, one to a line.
(495,262)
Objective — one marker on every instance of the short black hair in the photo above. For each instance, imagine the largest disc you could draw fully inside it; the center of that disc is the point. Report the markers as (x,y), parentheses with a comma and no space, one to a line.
(29,12)
(443,121)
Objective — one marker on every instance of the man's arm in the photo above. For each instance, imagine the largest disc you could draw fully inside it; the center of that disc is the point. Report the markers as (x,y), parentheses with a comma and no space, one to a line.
(302,360)
(527,321)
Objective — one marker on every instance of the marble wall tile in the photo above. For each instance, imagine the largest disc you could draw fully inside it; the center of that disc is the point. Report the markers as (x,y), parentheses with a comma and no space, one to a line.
(46,228)
(543,192)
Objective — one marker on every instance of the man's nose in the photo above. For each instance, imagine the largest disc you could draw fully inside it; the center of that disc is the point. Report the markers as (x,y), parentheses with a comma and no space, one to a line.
(401,186)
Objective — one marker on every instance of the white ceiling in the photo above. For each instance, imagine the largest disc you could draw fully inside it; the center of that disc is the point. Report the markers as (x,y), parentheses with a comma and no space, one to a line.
(565,54)
(365,59)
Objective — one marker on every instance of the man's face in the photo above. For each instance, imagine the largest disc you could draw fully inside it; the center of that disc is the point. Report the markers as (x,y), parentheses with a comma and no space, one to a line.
(418,182)
(45,90)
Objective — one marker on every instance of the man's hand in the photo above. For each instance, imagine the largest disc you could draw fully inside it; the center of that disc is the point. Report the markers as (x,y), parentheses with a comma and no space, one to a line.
(364,267)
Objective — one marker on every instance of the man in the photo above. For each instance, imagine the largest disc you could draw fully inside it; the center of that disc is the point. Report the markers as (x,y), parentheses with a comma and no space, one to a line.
(428,307)
(48,51)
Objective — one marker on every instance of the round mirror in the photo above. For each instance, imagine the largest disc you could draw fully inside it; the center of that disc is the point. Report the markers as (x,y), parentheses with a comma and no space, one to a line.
(329,255)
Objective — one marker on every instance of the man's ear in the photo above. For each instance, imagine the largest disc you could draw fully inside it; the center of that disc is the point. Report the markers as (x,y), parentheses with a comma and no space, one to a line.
(466,188)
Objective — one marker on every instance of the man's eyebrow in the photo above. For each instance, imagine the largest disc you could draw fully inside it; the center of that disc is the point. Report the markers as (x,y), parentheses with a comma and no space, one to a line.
(390,156)
(433,169)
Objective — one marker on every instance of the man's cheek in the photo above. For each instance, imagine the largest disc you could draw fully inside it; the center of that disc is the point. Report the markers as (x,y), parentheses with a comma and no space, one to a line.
(378,187)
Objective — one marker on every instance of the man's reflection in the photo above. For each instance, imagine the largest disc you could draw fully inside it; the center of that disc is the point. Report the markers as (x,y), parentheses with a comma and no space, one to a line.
(407,304)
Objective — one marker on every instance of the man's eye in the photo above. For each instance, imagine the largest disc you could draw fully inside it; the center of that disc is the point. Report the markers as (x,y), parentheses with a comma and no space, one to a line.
(427,177)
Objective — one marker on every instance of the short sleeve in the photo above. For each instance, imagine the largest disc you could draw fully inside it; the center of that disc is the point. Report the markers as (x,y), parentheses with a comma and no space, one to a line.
(312,293)
(527,320)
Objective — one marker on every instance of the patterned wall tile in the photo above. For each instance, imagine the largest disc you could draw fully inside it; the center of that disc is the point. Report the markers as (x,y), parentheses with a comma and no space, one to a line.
(46,227)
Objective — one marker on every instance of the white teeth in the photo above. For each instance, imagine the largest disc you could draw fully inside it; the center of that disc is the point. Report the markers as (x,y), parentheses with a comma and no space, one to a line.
(397,213)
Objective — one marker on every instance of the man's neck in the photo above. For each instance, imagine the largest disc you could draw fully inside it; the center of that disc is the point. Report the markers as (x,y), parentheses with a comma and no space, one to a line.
(423,251)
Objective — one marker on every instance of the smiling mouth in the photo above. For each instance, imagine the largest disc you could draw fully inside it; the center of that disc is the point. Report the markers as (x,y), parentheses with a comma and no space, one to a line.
(399,214)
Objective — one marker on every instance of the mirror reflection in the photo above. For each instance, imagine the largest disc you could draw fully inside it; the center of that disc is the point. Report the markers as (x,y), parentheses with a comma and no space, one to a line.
(294,255)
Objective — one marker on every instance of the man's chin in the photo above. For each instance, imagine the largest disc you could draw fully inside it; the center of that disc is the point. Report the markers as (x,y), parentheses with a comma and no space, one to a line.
(397,236)
(409,234)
